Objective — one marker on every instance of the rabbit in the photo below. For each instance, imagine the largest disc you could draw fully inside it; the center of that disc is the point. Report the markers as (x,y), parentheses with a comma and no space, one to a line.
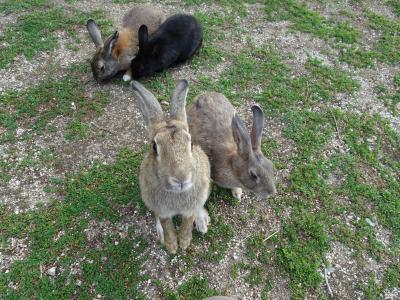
(235,155)
(174,175)
(174,42)
(115,54)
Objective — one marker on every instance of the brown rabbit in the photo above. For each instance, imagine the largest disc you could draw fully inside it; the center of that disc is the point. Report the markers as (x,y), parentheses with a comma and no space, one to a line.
(236,159)
(116,53)
(174,175)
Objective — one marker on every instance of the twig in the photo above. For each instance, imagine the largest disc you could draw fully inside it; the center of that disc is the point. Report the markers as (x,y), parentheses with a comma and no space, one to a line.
(337,129)
(270,236)
(195,81)
(102,128)
(327,283)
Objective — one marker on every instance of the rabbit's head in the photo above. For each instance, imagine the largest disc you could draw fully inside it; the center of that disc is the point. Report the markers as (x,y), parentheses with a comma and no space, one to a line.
(252,168)
(171,151)
(104,63)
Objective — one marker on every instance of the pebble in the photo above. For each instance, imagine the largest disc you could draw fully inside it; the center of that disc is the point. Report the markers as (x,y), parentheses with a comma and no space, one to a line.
(52,271)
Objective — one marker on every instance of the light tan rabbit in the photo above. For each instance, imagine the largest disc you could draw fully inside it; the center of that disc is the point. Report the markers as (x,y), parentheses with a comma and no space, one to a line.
(174,175)
(236,159)
(116,53)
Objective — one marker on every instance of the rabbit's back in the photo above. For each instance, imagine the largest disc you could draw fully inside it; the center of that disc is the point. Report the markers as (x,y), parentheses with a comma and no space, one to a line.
(209,117)
(144,14)
(181,33)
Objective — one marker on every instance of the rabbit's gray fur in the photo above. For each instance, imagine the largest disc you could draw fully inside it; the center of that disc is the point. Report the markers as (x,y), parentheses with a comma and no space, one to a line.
(235,156)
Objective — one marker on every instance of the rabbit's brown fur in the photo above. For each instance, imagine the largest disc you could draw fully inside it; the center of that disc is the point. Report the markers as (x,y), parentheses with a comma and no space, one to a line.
(174,175)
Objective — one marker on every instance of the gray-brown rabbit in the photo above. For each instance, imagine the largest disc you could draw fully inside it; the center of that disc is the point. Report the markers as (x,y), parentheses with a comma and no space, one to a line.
(235,155)
(116,53)
(174,175)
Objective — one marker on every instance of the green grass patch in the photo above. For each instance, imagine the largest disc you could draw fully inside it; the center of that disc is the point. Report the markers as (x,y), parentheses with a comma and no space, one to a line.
(391,98)
(327,81)
(193,289)
(358,57)
(388,46)
(12,6)
(309,21)
(220,233)
(37,106)
(36,32)
(301,250)
(77,130)
(111,269)
(395,4)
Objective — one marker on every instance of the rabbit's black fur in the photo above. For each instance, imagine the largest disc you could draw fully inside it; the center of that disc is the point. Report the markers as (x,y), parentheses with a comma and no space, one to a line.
(174,42)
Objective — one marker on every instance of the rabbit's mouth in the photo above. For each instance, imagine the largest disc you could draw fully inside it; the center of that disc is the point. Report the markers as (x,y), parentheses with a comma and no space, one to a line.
(266,195)
(179,189)
(176,185)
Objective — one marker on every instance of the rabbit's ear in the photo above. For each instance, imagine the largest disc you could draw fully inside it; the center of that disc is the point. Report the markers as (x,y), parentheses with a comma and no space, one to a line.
(241,136)
(178,102)
(148,104)
(143,36)
(94,32)
(111,42)
(256,130)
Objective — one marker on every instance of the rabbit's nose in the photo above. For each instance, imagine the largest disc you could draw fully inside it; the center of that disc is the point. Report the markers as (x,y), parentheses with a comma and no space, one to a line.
(181,183)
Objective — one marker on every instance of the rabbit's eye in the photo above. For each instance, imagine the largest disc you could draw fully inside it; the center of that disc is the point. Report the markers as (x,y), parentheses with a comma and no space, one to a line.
(102,69)
(154,146)
(253,176)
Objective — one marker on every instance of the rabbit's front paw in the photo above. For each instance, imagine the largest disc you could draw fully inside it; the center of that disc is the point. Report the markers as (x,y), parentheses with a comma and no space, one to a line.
(126,77)
(202,220)
(237,193)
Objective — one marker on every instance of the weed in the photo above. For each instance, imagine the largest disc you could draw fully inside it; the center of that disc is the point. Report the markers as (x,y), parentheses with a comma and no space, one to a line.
(36,32)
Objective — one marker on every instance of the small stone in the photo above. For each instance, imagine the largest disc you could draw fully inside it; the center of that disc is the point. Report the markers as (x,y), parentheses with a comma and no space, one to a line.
(52,271)
(164,102)
(234,256)
(369,222)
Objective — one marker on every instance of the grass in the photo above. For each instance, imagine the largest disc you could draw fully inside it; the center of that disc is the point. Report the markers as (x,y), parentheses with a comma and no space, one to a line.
(12,6)
(388,46)
(193,289)
(87,194)
(309,21)
(395,6)
(37,106)
(37,32)
(391,98)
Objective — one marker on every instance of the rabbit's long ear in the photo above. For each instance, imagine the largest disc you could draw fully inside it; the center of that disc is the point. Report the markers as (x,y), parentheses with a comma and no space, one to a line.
(241,136)
(178,101)
(94,33)
(148,104)
(111,43)
(143,36)
(256,130)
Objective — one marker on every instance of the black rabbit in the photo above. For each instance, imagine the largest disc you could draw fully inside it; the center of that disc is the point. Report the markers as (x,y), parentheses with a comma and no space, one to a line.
(174,42)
